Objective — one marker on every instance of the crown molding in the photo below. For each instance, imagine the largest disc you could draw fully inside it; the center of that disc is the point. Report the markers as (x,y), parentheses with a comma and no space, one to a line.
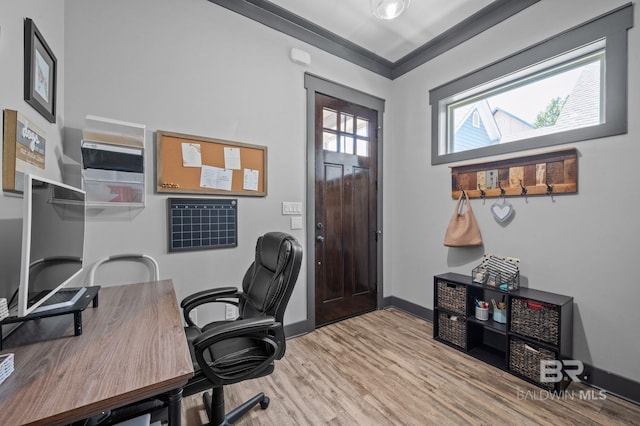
(282,20)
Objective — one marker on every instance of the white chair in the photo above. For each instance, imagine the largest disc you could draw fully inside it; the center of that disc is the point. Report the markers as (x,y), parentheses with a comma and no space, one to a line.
(149,261)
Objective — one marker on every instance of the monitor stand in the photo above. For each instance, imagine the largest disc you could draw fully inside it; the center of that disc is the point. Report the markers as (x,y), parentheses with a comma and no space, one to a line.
(90,294)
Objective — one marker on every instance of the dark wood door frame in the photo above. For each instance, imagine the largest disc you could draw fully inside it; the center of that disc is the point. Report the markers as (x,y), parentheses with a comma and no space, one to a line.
(313,85)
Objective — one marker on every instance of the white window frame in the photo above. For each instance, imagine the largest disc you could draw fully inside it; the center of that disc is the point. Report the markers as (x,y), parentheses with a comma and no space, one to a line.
(611,27)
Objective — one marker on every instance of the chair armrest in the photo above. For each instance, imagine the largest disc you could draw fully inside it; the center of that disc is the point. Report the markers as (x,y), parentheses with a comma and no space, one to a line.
(204,296)
(259,329)
(219,295)
(232,329)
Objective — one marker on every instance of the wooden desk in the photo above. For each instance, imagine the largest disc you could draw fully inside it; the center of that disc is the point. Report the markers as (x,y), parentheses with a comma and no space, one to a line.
(133,347)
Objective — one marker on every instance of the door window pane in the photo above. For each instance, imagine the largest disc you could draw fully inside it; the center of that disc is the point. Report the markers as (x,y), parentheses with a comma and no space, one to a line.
(329,141)
(346,123)
(346,144)
(362,147)
(362,127)
(329,119)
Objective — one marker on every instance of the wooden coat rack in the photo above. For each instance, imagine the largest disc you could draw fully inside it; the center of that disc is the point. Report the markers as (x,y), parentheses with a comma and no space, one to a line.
(548,173)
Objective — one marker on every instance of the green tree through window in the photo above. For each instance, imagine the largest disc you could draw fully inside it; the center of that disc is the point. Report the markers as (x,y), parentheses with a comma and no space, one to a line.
(549,116)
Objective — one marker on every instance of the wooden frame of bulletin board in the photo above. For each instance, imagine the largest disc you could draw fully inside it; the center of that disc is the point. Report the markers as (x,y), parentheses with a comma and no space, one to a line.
(178,174)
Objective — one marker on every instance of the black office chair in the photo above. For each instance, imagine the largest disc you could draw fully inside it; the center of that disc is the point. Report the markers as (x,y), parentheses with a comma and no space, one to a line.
(227,352)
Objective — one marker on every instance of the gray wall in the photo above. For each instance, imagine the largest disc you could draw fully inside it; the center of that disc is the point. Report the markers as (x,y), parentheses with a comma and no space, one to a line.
(193,67)
(48,16)
(584,245)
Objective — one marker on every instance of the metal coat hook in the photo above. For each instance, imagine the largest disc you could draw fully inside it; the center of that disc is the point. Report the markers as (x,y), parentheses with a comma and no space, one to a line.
(482,193)
(464,194)
(524,189)
(549,189)
(501,189)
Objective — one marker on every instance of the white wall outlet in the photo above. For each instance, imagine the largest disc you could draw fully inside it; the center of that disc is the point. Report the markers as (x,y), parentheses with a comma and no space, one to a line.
(296,222)
(291,207)
(194,315)
(230,312)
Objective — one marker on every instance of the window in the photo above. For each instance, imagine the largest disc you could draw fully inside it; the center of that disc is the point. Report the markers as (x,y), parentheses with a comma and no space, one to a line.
(476,119)
(350,137)
(571,87)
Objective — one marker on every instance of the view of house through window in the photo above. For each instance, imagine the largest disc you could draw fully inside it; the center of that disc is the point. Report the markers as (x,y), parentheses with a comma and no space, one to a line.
(562,94)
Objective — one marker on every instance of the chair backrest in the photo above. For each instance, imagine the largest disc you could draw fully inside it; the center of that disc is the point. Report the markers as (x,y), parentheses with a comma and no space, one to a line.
(269,281)
(153,270)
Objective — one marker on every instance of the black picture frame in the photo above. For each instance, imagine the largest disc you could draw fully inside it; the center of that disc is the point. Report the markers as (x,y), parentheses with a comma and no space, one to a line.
(40,72)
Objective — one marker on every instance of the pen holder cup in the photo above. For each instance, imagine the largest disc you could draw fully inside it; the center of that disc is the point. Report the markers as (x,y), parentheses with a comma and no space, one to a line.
(500,315)
(482,313)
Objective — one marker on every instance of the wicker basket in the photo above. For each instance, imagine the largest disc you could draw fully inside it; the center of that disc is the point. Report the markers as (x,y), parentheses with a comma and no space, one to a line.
(524,359)
(452,297)
(452,329)
(536,320)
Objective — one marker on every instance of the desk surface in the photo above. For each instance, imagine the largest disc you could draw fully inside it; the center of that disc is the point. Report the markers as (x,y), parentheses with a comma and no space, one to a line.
(132,347)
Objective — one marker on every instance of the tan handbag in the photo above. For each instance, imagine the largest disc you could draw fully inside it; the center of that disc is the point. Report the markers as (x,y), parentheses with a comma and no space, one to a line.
(463,230)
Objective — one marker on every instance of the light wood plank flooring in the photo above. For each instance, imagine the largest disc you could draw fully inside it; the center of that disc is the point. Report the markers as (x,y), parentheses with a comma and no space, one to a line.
(384,368)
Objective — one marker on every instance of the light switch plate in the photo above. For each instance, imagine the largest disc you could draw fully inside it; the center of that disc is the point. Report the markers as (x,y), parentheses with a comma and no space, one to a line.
(291,207)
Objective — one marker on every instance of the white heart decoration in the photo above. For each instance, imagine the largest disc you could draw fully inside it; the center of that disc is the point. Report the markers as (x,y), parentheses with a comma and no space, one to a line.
(502,212)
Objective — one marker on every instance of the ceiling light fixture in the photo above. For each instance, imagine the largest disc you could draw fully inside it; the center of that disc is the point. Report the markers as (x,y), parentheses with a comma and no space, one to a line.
(388,9)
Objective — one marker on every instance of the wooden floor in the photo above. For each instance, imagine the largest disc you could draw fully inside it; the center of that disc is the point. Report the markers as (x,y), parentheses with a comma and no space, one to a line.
(384,368)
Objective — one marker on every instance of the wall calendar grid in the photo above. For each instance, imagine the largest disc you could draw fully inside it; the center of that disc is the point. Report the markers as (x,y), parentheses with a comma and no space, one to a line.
(200,224)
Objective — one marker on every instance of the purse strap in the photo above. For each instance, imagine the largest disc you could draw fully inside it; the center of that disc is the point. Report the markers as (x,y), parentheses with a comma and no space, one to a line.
(466,201)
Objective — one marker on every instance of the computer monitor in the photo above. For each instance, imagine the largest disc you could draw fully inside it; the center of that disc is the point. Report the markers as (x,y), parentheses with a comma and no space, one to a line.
(52,240)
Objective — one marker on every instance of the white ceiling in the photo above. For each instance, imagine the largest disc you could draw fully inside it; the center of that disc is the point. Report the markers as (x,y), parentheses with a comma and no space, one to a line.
(348,29)
(392,40)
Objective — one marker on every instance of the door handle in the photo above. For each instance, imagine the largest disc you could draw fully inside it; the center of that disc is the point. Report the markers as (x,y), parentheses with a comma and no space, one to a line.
(320,239)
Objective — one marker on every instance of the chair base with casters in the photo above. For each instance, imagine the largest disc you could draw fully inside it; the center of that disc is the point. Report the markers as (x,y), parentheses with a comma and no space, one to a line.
(214,406)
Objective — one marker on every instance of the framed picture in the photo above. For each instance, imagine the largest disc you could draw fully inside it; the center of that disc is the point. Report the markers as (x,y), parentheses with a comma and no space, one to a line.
(39,72)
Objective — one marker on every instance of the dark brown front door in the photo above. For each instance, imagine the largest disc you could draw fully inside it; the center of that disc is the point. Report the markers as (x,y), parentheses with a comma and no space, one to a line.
(346,203)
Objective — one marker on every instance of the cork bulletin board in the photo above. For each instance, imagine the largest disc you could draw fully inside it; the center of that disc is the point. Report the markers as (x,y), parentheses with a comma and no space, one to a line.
(199,165)
(549,173)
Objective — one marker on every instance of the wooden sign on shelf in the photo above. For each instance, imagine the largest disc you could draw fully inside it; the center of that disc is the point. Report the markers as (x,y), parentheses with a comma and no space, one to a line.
(24,149)
(548,173)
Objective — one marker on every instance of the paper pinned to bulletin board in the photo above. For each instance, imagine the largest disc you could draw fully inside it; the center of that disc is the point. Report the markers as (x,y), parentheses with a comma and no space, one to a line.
(195,164)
